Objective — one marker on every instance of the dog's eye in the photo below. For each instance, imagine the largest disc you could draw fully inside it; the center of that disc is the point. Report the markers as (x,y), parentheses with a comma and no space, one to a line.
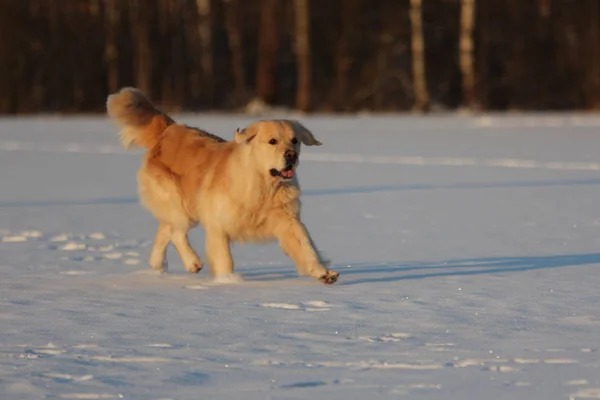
(273,141)
(294,140)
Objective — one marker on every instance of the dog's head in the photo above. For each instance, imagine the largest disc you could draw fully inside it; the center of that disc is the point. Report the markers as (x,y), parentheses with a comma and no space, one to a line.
(275,145)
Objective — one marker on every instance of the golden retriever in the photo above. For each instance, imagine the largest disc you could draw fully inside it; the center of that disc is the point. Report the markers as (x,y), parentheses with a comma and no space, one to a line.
(243,190)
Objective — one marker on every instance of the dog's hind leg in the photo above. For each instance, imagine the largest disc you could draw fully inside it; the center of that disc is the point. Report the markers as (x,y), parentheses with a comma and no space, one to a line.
(160,194)
(162,238)
(168,233)
(190,259)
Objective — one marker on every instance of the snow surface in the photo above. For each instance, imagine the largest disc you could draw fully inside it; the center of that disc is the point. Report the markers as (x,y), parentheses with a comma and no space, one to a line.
(468,247)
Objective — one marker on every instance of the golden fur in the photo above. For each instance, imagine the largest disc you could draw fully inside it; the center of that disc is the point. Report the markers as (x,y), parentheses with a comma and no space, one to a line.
(243,190)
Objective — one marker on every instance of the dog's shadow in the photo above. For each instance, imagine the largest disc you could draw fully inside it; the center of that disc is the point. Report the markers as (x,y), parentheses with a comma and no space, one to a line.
(355,274)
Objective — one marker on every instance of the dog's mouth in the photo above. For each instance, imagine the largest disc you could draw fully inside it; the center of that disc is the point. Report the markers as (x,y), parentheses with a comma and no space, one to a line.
(286,173)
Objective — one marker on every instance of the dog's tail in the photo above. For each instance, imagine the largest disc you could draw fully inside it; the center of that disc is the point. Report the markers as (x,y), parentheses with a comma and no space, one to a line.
(141,123)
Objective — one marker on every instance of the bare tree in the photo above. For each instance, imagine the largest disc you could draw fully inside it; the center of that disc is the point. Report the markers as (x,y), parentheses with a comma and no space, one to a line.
(165,69)
(418,57)
(234,39)
(141,45)
(205,35)
(5,67)
(326,55)
(178,55)
(466,49)
(267,49)
(303,56)
(593,83)
(172,68)
(111,48)
(544,8)
(343,57)
(482,54)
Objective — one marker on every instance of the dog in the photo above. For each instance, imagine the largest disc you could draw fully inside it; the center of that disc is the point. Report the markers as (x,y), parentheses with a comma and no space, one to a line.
(244,190)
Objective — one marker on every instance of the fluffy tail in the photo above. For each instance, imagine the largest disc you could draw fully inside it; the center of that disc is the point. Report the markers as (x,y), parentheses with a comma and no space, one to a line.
(141,123)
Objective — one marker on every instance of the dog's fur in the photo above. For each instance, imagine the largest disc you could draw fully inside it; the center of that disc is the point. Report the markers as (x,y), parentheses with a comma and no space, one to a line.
(243,190)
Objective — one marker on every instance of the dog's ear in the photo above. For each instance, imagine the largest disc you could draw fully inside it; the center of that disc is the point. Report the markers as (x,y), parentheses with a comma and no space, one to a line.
(243,135)
(305,136)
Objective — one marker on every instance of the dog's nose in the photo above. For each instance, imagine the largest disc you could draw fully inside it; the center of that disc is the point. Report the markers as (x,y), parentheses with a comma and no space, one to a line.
(290,155)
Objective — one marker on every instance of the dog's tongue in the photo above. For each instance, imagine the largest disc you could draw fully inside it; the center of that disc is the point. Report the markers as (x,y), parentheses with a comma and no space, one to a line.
(287,174)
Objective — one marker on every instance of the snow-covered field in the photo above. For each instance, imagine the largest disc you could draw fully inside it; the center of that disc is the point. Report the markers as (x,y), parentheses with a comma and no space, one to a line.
(469,252)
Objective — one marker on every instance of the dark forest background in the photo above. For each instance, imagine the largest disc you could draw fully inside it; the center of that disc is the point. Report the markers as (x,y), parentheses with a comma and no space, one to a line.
(311,55)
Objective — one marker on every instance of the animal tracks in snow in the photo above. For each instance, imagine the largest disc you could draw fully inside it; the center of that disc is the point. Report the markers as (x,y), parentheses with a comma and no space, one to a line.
(281,305)
(91,396)
(8,237)
(156,354)
(88,247)
(311,306)
(88,352)
(391,338)
(67,377)
(492,365)
(591,393)
(356,365)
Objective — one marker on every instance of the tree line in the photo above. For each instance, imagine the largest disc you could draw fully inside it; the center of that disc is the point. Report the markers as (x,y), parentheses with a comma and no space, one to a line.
(310,55)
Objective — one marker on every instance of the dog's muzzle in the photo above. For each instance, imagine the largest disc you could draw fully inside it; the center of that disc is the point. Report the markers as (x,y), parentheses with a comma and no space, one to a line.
(291,158)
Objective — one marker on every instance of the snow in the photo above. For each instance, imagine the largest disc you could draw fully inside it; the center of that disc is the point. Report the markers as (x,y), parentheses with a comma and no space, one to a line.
(468,247)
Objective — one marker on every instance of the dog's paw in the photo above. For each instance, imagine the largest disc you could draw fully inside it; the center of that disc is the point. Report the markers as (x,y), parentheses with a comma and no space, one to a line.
(330,277)
(160,268)
(194,268)
(227,279)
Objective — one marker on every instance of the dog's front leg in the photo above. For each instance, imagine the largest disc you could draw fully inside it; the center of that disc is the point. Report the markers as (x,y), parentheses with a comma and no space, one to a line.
(296,242)
(218,253)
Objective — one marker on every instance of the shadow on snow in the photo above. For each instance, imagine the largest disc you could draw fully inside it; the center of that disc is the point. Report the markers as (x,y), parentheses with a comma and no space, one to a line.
(353,274)
(328,192)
